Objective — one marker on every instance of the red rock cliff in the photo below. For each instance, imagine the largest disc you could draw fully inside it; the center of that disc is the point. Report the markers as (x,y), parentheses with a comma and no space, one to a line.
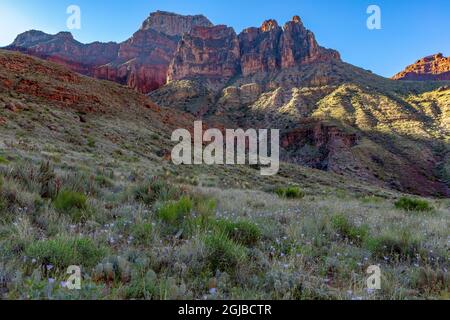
(299,46)
(140,62)
(211,52)
(64,49)
(143,60)
(172,47)
(260,48)
(435,67)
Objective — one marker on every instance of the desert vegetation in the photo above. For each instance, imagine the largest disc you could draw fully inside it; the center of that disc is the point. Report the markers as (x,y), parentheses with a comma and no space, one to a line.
(85,181)
(151,238)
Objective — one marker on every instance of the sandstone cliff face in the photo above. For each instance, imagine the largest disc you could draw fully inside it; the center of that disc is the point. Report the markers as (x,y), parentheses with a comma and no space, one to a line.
(299,46)
(269,48)
(435,67)
(327,140)
(174,24)
(211,52)
(143,60)
(260,48)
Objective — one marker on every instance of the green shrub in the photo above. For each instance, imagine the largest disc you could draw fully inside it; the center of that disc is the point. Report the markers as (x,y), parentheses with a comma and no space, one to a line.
(205,206)
(2,200)
(290,193)
(344,227)
(175,212)
(62,252)
(13,197)
(3,205)
(143,287)
(410,204)
(396,244)
(153,190)
(68,200)
(222,253)
(80,181)
(103,181)
(204,210)
(142,233)
(3,160)
(46,179)
(242,232)
(72,203)
(150,286)
(91,142)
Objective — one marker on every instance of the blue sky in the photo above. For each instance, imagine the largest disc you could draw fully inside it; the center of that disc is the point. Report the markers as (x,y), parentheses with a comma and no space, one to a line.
(410,30)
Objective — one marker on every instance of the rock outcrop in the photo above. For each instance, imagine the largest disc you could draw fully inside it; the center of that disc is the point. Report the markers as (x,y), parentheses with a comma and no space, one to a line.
(211,52)
(299,46)
(208,51)
(331,140)
(260,48)
(435,67)
(62,48)
(173,24)
(144,59)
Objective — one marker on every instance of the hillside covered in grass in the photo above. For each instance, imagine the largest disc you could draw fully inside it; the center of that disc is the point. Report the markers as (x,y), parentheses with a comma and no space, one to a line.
(86,179)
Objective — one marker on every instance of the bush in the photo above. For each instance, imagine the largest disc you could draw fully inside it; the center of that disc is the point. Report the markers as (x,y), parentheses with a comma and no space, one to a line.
(204,210)
(153,190)
(3,204)
(175,212)
(410,204)
(46,179)
(79,181)
(61,253)
(142,233)
(68,200)
(242,232)
(13,197)
(91,142)
(103,181)
(72,203)
(344,227)
(429,281)
(290,193)
(222,253)
(205,206)
(397,244)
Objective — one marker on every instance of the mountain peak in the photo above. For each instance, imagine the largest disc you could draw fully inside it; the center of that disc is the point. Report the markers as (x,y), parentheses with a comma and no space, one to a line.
(432,67)
(29,38)
(64,35)
(174,24)
(269,25)
(297,19)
